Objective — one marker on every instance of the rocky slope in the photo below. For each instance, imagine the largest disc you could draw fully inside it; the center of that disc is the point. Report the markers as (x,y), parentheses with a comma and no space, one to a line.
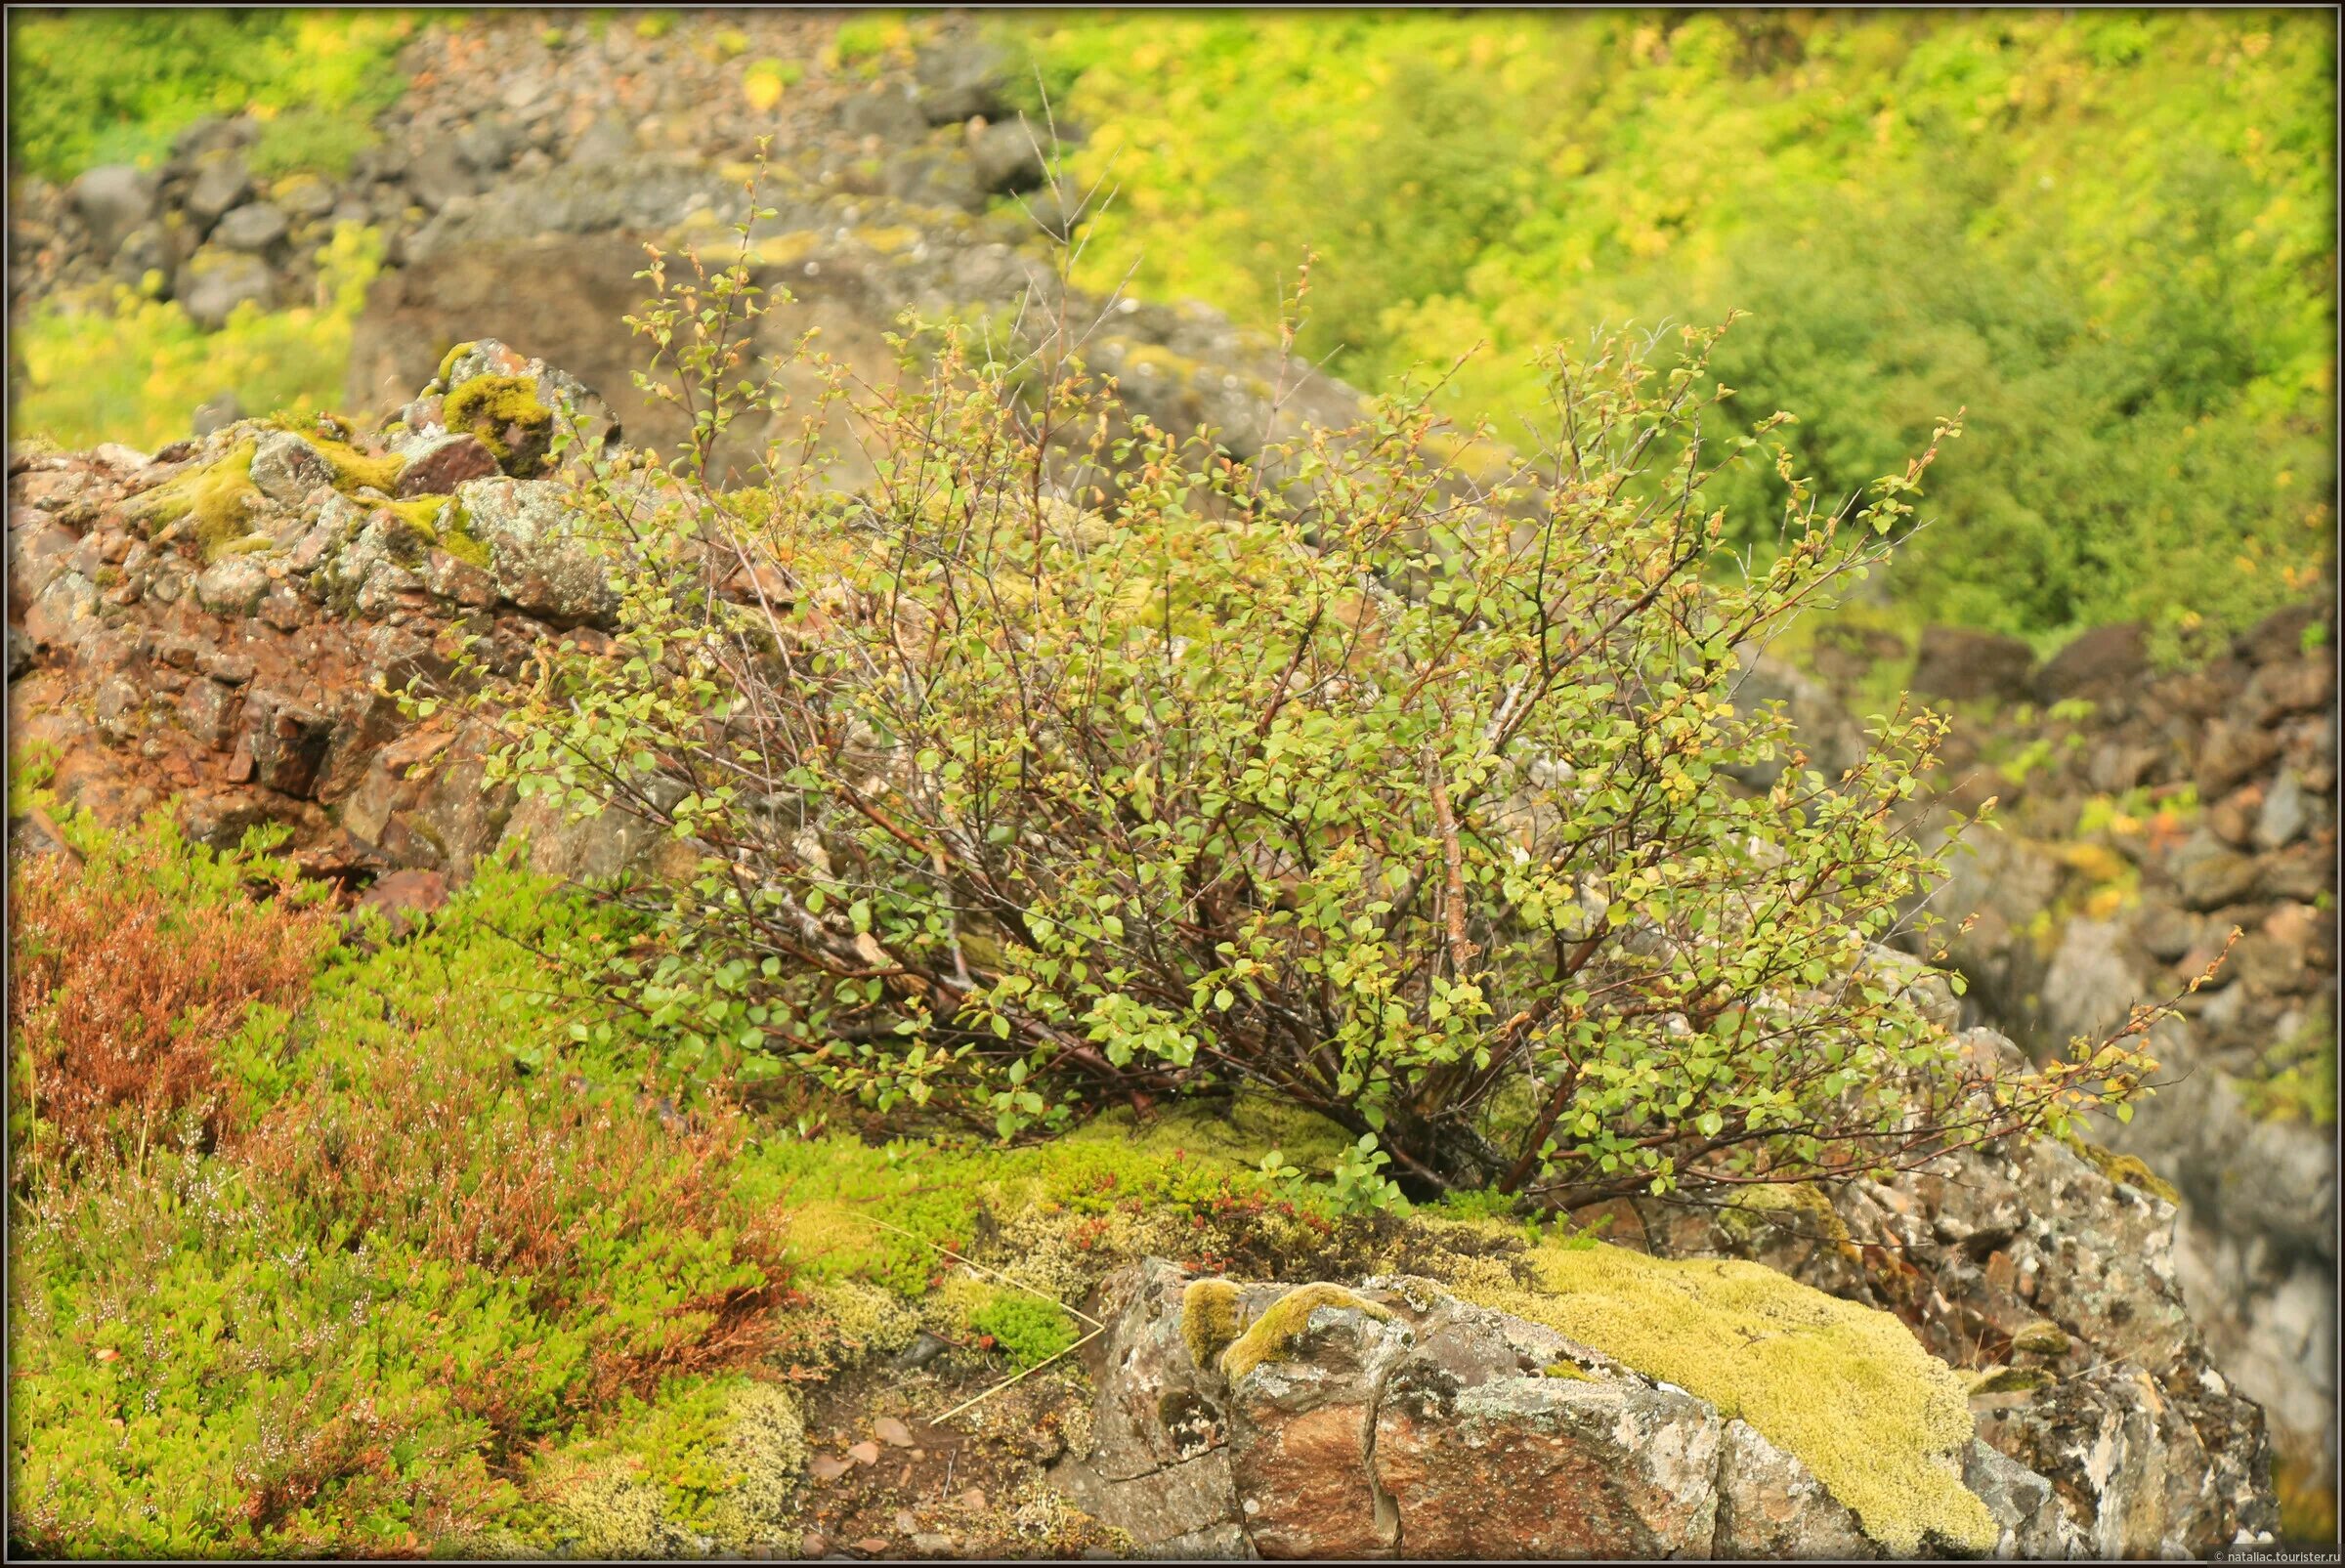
(208,626)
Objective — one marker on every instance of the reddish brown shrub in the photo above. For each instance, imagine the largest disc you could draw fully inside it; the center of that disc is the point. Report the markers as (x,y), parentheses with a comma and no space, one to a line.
(121,993)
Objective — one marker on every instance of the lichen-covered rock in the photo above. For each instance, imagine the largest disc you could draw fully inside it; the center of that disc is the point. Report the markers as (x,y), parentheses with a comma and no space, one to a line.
(1306,1378)
(286,468)
(1401,1417)
(232,585)
(545,564)
(437,465)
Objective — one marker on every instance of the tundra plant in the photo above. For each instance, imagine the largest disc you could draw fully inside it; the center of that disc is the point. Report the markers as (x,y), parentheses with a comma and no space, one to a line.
(1073,763)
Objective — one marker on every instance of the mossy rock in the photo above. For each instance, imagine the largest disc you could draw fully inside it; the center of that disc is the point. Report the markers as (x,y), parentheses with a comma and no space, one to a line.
(1209,1319)
(2122,1170)
(1846,1389)
(1272,1337)
(218,497)
(505,414)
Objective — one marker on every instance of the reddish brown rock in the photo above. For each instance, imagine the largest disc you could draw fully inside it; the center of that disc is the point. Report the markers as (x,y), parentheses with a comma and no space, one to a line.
(440,468)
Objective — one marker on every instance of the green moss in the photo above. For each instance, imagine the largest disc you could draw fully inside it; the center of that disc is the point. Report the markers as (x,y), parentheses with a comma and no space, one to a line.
(493,408)
(355,470)
(1566,1370)
(715,1462)
(2124,1169)
(1844,1389)
(447,362)
(217,497)
(1024,1326)
(1209,1319)
(1274,1333)
(2041,1339)
(2011,1380)
(422,513)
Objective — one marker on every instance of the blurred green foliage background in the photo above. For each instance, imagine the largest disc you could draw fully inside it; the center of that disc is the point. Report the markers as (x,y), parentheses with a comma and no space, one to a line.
(2110,235)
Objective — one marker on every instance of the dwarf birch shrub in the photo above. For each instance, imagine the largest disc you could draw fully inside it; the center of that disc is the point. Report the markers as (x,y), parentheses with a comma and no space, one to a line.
(1074,764)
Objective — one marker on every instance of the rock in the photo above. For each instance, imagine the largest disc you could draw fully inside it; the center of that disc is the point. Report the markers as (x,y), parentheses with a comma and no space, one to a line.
(888,111)
(437,175)
(232,586)
(1962,664)
(2230,752)
(2025,1507)
(960,77)
(1005,158)
(1819,725)
(487,146)
(2277,636)
(2289,687)
(216,413)
(2269,966)
(286,468)
(214,283)
(2212,880)
(1478,1454)
(1304,1422)
(439,466)
(147,248)
(301,195)
(2166,932)
(1768,1505)
(542,563)
(608,140)
(2105,661)
(254,227)
(222,181)
(19,652)
(2286,812)
(404,900)
(113,200)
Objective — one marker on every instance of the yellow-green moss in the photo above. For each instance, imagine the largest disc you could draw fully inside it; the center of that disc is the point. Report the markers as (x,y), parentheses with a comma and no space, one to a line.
(1566,1370)
(422,513)
(216,495)
(712,1462)
(488,407)
(2011,1380)
(1805,1206)
(2042,1339)
(1844,1389)
(1209,1319)
(2124,1169)
(355,470)
(1272,1335)
(447,362)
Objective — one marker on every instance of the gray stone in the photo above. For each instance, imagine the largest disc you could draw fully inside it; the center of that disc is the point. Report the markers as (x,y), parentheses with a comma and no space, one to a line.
(19,652)
(214,283)
(543,562)
(2102,662)
(1771,1506)
(437,176)
(232,586)
(254,227)
(1007,158)
(112,200)
(222,181)
(2286,812)
(303,196)
(960,77)
(286,468)
(487,146)
(887,110)
(2027,1510)
(608,140)
(2215,879)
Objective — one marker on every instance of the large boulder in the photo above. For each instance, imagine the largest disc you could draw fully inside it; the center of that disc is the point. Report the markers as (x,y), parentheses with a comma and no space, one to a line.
(215,281)
(112,200)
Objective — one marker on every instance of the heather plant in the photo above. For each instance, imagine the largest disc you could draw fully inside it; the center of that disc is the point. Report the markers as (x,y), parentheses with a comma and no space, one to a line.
(1075,764)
